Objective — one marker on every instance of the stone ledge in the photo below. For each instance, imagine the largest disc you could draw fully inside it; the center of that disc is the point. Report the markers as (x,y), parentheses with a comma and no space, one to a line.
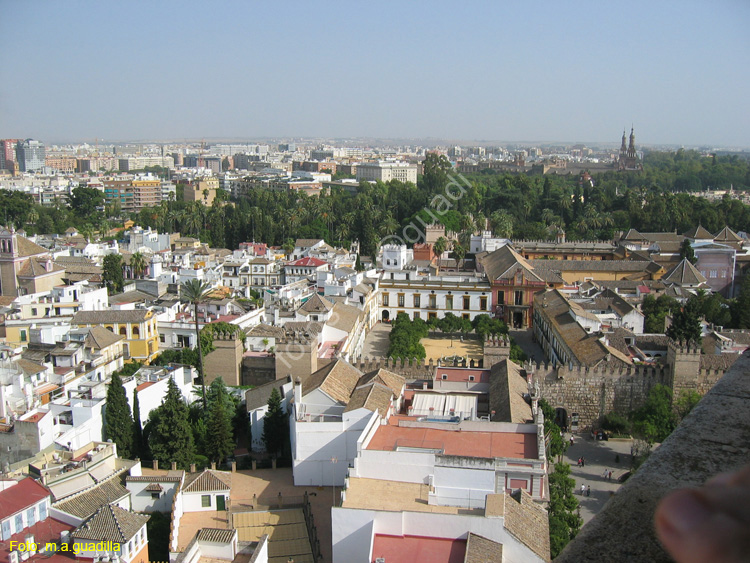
(714,438)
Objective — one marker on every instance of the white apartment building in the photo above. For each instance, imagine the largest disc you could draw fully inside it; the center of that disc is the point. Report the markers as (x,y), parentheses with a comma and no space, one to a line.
(431,296)
(384,171)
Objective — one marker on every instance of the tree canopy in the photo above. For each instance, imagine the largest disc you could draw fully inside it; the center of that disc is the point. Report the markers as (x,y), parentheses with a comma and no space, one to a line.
(118,422)
(275,425)
(171,436)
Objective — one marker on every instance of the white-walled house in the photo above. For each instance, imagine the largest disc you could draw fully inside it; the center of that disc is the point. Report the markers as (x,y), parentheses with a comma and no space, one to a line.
(206,491)
(256,402)
(331,409)
(110,528)
(153,493)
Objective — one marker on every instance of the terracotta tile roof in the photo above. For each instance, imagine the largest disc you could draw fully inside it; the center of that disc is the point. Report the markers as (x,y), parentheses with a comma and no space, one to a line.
(594,265)
(208,480)
(153,478)
(258,397)
(503,263)
(481,550)
(375,390)
(338,380)
(27,248)
(266,330)
(216,535)
(308,261)
(727,235)
(307,242)
(528,522)
(316,304)
(344,317)
(698,233)
(85,503)
(684,273)
(29,367)
(110,523)
(154,488)
(718,361)
(100,337)
(507,389)
(38,267)
(110,316)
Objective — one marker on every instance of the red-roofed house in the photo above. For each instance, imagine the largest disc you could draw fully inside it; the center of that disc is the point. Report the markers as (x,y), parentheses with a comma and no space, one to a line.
(304,269)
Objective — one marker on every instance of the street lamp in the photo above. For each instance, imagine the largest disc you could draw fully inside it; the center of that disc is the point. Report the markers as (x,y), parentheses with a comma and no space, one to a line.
(334,460)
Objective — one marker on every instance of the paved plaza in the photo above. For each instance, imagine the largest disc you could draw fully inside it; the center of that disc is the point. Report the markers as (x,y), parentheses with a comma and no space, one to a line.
(376,342)
(599,455)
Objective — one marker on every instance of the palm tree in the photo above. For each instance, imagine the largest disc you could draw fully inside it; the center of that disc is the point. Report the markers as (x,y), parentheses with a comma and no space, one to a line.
(439,247)
(137,264)
(195,291)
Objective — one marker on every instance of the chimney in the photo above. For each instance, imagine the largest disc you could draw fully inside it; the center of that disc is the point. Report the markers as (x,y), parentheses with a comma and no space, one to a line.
(213,465)
(297,393)
(192,468)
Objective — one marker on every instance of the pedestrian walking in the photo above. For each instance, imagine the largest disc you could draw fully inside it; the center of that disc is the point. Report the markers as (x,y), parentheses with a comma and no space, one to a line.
(588,491)
(604,475)
(571,440)
(583,461)
(579,462)
(583,489)
(609,478)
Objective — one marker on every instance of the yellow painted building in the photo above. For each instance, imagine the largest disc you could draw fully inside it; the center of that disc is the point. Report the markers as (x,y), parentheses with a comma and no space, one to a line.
(138,326)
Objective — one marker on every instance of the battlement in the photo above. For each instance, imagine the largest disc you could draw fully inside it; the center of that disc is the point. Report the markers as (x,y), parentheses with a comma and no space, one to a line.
(684,348)
(497,342)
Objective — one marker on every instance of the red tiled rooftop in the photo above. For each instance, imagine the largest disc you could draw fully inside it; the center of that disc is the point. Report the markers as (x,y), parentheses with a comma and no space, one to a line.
(144,385)
(462,374)
(45,531)
(452,442)
(407,549)
(226,318)
(20,496)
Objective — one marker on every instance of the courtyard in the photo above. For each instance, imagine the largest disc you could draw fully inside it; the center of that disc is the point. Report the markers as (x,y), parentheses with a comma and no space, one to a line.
(438,347)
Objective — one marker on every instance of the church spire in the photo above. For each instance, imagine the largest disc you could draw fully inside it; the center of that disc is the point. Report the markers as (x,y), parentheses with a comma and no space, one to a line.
(623,147)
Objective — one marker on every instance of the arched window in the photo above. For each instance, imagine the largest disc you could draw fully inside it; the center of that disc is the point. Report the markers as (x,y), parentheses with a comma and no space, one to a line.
(123,331)
(136,332)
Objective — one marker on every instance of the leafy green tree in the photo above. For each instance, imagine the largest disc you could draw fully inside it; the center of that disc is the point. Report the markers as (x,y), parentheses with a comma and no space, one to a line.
(686,251)
(137,427)
(655,420)
(686,325)
(405,338)
(171,437)
(741,307)
(458,253)
(275,425)
(439,247)
(195,291)
(85,202)
(221,410)
(685,402)
(112,273)
(655,312)
(118,422)
(564,522)
(552,431)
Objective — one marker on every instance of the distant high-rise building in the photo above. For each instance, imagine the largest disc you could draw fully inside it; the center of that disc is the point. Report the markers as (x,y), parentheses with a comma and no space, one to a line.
(30,155)
(8,154)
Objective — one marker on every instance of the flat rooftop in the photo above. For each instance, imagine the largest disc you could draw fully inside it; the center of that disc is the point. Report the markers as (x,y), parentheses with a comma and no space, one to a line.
(395,496)
(408,549)
(452,442)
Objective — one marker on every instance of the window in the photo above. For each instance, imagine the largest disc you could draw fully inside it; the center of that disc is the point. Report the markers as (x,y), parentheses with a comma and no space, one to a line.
(432,315)
(433,302)
(519,297)
(23,336)
(6,530)
(31,516)
(471,378)
(43,511)
(401,299)
(483,303)
(713,274)
(417,301)
(19,522)
(155,495)
(723,274)
(385,300)
(416,315)
(465,316)
(162,338)
(501,298)
(205,501)
(136,332)
(449,302)
(445,376)
(467,302)
(33,312)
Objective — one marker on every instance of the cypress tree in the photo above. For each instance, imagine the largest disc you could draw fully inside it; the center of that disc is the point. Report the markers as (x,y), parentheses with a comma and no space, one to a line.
(118,423)
(275,432)
(137,427)
(219,438)
(171,438)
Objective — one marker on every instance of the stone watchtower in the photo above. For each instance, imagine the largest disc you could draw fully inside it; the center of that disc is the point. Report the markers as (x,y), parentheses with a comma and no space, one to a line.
(495,351)
(225,360)
(684,361)
(297,355)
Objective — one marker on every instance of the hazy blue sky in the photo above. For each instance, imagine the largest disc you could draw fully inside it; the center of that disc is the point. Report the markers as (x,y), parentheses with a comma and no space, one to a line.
(522,70)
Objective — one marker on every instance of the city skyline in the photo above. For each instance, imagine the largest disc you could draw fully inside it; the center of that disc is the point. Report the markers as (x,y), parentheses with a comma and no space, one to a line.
(142,72)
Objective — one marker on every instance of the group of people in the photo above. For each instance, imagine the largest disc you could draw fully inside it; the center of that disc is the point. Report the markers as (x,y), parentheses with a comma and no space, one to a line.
(607,475)
(581,461)
(585,490)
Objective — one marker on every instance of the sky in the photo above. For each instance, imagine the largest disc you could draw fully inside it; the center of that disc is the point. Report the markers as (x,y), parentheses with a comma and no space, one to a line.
(574,71)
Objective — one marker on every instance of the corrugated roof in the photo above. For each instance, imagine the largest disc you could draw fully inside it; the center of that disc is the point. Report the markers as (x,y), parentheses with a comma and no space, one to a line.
(216,535)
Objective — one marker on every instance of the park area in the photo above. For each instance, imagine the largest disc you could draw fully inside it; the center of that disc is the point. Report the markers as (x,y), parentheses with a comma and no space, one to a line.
(439,347)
